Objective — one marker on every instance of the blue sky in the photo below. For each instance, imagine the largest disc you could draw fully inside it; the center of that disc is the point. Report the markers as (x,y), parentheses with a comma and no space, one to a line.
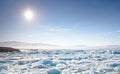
(61,22)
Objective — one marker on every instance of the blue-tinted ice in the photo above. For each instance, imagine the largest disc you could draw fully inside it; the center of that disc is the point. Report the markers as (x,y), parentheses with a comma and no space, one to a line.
(60,62)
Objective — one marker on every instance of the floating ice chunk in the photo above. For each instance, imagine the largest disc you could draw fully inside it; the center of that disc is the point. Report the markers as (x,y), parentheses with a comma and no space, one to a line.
(117,69)
(83,68)
(3,61)
(3,68)
(45,52)
(105,69)
(3,71)
(22,62)
(6,61)
(53,71)
(65,58)
(38,65)
(112,73)
(57,52)
(115,64)
(102,59)
(66,71)
(34,52)
(36,60)
(62,62)
(61,66)
(67,52)
(13,59)
(48,62)
(116,52)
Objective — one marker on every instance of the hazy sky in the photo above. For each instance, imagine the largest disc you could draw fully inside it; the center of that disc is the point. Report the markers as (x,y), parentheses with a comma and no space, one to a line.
(61,22)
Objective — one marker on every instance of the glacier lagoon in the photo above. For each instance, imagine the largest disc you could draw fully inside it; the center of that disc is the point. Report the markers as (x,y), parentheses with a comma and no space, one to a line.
(60,62)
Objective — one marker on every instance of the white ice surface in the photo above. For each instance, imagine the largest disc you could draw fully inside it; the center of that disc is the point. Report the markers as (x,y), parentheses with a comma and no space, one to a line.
(61,62)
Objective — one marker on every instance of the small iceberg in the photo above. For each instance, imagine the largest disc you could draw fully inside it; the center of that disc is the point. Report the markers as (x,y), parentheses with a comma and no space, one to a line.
(53,71)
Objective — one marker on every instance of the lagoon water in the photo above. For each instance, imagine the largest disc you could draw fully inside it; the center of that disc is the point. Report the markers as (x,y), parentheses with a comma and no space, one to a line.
(60,62)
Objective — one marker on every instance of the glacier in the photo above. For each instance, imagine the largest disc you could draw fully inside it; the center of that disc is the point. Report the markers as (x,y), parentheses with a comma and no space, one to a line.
(60,62)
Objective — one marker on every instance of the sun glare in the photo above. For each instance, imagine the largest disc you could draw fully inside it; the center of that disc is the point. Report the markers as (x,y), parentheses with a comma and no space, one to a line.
(28,14)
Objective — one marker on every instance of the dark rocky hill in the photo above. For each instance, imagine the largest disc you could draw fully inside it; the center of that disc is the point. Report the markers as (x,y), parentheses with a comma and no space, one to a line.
(8,49)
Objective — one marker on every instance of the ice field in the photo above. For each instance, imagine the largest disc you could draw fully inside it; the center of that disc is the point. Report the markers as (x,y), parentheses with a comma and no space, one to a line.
(60,62)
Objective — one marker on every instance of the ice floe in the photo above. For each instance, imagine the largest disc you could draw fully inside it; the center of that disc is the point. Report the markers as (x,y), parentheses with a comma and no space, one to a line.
(61,62)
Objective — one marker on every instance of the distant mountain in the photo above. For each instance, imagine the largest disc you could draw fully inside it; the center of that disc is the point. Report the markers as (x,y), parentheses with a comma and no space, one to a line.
(107,47)
(79,47)
(25,45)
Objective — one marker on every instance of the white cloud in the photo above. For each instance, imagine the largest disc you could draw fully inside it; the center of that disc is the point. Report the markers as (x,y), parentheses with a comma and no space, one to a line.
(58,29)
(118,31)
(104,34)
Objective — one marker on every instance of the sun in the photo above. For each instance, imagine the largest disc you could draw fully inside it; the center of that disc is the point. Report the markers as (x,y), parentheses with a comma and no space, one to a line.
(28,14)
